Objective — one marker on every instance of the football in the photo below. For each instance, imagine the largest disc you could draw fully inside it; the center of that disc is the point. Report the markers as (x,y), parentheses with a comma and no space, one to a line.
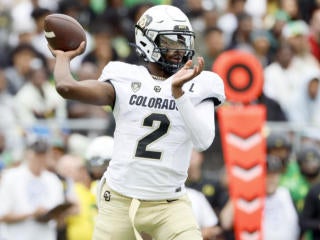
(63,32)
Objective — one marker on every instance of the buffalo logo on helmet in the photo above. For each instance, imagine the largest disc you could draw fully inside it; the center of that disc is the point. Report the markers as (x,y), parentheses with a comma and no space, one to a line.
(144,21)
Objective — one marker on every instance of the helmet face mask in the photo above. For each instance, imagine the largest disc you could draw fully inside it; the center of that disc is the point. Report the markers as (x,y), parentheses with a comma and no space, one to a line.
(163,29)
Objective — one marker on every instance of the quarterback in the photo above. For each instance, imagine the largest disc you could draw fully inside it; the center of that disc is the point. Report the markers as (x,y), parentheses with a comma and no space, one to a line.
(163,109)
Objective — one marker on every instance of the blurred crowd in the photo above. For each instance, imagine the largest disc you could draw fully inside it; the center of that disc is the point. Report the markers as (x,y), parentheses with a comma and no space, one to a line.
(284,35)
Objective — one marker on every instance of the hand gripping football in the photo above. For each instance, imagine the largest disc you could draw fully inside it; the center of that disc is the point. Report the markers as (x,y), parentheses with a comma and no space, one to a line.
(63,32)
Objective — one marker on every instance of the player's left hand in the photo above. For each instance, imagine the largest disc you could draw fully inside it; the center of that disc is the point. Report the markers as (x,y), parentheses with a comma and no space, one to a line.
(185,74)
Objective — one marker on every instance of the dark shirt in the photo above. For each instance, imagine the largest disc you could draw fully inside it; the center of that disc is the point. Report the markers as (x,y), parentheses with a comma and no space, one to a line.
(310,215)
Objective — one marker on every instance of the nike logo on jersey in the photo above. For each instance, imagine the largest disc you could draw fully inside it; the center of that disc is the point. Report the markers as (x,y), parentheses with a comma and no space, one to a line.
(151,102)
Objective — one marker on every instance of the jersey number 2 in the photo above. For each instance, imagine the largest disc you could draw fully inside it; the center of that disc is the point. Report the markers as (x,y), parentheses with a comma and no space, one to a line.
(143,143)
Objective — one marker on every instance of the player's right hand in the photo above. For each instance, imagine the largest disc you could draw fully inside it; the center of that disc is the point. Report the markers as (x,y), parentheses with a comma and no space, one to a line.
(69,54)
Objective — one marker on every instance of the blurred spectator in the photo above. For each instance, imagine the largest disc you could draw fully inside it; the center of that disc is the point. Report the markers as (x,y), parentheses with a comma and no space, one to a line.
(97,158)
(240,38)
(291,7)
(295,33)
(9,157)
(210,18)
(310,215)
(281,78)
(9,124)
(228,21)
(38,40)
(280,219)
(86,173)
(275,23)
(20,66)
(77,144)
(57,150)
(27,192)
(23,25)
(306,8)
(116,15)
(214,45)
(5,30)
(280,145)
(79,225)
(73,8)
(258,10)
(205,216)
(305,104)
(213,189)
(103,51)
(310,134)
(261,46)
(38,99)
(275,113)
(308,159)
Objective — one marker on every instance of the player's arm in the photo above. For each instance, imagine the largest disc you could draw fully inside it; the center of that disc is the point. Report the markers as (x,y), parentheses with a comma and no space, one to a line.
(198,119)
(87,91)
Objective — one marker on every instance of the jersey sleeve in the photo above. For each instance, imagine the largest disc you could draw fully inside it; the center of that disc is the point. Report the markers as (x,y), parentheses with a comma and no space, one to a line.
(213,88)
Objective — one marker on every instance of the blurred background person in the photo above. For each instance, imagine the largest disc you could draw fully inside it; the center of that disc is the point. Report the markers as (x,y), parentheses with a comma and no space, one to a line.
(28,192)
(85,172)
(214,45)
(205,216)
(79,220)
(308,158)
(281,78)
(310,215)
(98,155)
(37,98)
(19,66)
(304,105)
(213,188)
(9,123)
(280,219)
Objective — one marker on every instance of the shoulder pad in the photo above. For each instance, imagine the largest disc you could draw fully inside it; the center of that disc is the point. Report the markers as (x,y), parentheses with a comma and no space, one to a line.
(116,70)
(211,87)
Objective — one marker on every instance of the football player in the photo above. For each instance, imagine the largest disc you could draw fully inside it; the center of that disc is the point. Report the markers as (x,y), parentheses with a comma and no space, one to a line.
(162,110)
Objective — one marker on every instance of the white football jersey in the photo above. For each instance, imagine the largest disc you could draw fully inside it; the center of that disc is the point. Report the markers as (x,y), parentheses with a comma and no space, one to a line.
(152,147)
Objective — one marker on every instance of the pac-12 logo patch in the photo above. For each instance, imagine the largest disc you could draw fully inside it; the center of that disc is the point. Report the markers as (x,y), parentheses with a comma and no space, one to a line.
(135,86)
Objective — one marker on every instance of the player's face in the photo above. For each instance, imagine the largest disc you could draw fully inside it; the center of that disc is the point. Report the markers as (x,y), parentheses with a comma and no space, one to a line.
(175,46)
